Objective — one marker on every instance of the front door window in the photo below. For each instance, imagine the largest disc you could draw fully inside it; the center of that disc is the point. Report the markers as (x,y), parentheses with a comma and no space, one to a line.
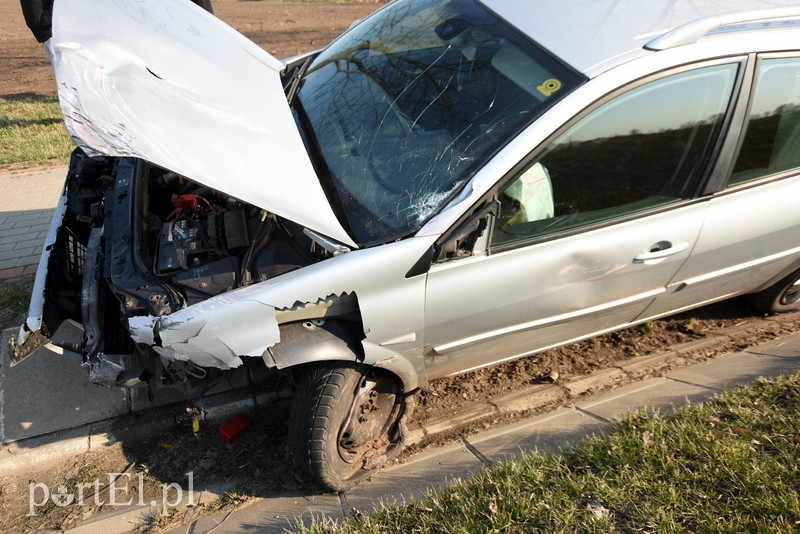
(646,148)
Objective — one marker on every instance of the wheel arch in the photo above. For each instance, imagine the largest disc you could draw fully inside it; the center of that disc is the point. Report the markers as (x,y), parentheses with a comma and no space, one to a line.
(326,340)
(786,271)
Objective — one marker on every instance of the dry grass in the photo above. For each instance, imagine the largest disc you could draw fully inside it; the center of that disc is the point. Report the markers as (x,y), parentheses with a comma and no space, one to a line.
(32,134)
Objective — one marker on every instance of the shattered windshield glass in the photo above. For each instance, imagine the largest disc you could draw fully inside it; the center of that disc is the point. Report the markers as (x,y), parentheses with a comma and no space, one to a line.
(409,103)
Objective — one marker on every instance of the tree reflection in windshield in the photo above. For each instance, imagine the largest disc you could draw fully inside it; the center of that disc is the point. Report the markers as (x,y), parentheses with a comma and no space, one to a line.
(406,106)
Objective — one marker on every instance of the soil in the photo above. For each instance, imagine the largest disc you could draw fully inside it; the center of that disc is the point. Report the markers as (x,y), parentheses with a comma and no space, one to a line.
(283,29)
(258,464)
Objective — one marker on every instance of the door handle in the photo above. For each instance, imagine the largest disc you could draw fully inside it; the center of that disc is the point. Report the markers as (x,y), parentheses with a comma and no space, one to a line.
(660,251)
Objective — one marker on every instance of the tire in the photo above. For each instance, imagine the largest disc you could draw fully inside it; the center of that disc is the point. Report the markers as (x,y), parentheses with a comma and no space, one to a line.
(780,297)
(345,423)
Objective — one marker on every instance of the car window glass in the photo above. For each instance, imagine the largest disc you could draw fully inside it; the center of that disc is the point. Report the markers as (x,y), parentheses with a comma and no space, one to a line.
(645,148)
(410,102)
(772,142)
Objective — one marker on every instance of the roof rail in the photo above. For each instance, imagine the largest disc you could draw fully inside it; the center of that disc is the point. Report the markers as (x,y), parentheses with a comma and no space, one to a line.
(747,20)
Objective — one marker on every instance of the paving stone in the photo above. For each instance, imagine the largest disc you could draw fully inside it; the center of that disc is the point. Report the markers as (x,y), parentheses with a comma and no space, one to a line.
(23,249)
(654,394)
(550,432)
(274,515)
(787,347)
(12,272)
(9,255)
(731,370)
(29,260)
(409,480)
(39,228)
(48,392)
(4,239)
(9,232)
(118,521)
(27,218)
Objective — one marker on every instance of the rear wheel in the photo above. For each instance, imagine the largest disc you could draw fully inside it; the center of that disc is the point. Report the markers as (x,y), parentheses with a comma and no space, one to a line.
(345,422)
(783,296)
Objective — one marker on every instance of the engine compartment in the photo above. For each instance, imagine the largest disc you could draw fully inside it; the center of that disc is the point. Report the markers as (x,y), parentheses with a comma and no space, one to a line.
(168,242)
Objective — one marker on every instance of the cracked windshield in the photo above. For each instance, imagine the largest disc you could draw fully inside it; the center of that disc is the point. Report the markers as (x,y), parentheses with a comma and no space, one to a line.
(408,104)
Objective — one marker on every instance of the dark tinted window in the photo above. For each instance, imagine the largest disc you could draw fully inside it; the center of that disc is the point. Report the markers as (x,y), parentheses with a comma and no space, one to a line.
(646,148)
(772,142)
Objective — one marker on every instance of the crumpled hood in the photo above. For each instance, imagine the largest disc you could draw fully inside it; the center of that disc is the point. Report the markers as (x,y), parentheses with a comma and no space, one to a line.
(165,81)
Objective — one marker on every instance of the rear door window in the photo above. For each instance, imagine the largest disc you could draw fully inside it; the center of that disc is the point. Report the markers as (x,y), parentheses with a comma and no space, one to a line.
(772,143)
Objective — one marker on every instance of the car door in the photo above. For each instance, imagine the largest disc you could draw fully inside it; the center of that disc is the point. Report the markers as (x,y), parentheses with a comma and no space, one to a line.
(589,230)
(752,229)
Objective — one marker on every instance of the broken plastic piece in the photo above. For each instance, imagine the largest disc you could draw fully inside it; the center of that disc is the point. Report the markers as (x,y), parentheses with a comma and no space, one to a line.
(231,430)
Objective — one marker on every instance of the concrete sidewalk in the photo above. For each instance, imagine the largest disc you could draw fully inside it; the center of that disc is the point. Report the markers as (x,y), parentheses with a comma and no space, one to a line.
(27,200)
(437,467)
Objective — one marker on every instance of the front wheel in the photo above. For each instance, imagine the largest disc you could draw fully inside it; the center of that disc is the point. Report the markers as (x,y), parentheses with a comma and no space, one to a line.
(345,422)
(782,296)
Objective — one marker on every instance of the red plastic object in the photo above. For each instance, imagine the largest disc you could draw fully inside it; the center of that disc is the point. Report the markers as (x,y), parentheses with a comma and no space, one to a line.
(233,428)
(193,202)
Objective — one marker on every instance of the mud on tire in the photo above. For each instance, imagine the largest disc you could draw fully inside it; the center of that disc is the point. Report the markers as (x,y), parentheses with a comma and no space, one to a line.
(345,422)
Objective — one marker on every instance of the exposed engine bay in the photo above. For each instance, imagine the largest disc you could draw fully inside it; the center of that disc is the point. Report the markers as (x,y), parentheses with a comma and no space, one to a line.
(138,240)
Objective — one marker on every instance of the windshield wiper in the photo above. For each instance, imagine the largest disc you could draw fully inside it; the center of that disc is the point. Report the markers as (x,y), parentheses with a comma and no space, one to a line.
(294,82)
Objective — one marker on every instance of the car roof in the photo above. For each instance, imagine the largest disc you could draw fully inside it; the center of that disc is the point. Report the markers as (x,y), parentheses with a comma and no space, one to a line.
(595,35)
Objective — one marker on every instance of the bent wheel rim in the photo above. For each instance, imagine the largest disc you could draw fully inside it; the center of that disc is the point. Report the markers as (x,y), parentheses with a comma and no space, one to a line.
(366,433)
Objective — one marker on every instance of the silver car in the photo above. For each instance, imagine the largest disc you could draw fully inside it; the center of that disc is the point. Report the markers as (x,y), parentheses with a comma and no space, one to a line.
(448,185)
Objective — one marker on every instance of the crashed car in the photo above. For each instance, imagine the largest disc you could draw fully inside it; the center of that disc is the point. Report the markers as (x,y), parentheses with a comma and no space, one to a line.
(448,185)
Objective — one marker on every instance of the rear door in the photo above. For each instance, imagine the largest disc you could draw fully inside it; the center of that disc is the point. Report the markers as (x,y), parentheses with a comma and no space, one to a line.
(589,230)
(752,230)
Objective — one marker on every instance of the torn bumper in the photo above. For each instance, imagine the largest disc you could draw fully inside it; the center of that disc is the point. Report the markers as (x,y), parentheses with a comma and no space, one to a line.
(30,336)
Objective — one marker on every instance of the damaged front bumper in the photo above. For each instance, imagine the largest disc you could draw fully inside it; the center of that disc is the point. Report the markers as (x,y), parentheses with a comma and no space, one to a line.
(67,312)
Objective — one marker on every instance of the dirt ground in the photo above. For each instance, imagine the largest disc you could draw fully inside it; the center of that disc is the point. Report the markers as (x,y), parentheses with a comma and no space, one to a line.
(285,30)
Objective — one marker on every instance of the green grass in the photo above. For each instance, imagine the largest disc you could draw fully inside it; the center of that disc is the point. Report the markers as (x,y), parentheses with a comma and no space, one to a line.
(32,134)
(730,465)
(14,298)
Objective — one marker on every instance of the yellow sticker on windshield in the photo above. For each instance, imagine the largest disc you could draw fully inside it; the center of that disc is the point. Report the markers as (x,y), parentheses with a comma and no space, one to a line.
(549,87)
